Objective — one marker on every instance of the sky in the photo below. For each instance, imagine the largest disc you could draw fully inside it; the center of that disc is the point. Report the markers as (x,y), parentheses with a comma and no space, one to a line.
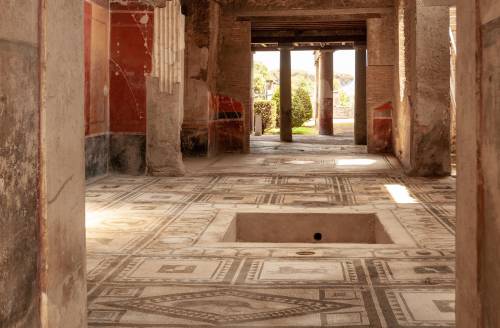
(344,61)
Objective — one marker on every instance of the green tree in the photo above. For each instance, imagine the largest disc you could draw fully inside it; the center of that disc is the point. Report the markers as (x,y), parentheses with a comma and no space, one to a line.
(267,110)
(344,99)
(261,75)
(301,107)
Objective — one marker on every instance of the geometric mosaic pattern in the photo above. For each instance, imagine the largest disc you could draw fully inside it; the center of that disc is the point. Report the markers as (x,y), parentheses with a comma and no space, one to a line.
(149,265)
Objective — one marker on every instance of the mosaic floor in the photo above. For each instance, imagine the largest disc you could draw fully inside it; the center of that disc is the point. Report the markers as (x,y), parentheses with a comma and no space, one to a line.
(156,256)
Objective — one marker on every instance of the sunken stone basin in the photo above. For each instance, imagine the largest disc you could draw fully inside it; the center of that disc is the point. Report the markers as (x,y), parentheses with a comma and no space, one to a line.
(359,228)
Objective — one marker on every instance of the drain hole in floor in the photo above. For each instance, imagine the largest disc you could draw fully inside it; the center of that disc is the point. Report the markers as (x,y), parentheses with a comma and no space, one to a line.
(305,253)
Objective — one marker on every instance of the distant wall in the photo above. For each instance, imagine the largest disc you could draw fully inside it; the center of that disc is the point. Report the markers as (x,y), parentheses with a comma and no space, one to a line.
(96,45)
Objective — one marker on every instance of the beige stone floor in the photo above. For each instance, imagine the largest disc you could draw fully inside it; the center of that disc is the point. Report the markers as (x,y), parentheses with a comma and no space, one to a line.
(156,256)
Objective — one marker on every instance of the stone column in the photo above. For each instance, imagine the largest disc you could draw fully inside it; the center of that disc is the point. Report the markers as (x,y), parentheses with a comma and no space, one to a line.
(165,93)
(325,112)
(360,119)
(285,95)
(316,87)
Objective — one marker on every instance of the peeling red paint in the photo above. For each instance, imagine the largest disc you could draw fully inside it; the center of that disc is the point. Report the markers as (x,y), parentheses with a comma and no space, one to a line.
(226,125)
(382,128)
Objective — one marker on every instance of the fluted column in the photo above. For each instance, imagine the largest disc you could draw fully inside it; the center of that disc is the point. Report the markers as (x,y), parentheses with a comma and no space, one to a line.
(165,93)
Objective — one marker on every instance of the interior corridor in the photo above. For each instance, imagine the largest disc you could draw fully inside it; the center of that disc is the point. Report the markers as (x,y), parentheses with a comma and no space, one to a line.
(162,250)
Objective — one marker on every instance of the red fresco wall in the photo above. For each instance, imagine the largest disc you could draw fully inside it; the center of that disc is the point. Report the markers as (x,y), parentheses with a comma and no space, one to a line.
(131,48)
(226,125)
(382,128)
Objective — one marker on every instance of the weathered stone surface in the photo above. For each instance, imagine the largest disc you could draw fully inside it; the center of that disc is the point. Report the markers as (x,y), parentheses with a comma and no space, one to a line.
(127,153)
(164,120)
(379,91)
(422,81)
(63,156)
(478,155)
(96,155)
(19,143)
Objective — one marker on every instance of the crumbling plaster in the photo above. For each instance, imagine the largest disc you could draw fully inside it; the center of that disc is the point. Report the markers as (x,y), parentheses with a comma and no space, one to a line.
(19,167)
(478,155)
(422,87)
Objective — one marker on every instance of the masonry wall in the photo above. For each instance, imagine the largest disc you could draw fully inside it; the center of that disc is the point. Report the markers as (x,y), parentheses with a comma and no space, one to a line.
(230,114)
(96,45)
(379,82)
(131,47)
(478,157)
(422,86)
(19,165)
(202,42)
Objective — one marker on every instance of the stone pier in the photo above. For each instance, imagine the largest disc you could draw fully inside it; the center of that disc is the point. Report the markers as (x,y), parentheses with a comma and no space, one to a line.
(360,117)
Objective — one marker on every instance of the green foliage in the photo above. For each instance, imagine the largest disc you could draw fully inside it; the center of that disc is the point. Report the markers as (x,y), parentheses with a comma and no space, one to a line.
(344,99)
(261,75)
(276,101)
(267,110)
(301,107)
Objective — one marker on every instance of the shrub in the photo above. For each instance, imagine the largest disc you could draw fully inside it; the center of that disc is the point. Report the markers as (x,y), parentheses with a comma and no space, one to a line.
(267,110)
(301,107)
(276,100)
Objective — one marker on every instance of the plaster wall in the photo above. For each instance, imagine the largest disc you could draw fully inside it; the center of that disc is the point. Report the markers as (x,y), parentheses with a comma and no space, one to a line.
(63,277)
(478,155)
(96,43)
(431,114)
(131,51)
(19,165)
(422,87)
(404,86)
